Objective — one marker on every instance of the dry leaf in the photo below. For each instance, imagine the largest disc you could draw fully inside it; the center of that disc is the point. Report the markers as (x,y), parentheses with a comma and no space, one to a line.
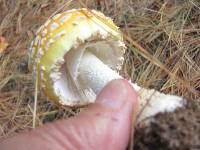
(3,44)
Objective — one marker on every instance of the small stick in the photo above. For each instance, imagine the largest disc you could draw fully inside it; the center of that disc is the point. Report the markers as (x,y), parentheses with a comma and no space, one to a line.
(35,102)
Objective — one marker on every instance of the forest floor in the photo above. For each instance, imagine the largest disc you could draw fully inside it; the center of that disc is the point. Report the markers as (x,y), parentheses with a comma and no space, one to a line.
(163,52)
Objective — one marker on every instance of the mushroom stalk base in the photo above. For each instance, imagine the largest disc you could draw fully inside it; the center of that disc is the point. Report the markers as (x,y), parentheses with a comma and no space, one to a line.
(95,74)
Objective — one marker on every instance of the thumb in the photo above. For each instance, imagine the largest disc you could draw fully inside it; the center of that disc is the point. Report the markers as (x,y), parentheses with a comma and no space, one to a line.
(110,118)
(104,125)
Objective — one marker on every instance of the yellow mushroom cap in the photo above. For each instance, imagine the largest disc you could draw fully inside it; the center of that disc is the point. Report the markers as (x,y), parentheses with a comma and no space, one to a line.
(55,54)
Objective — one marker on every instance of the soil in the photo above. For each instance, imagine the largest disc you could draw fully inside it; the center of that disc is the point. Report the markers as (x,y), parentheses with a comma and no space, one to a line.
(179,130)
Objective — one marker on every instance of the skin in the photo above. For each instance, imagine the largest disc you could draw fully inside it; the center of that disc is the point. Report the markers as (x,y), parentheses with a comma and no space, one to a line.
(104,125)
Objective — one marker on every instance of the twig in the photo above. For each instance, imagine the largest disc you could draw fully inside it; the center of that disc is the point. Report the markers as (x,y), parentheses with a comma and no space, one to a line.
(35,102)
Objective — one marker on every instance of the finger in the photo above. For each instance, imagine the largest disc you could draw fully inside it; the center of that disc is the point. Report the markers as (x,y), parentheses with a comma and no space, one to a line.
(104,125)
(113,113)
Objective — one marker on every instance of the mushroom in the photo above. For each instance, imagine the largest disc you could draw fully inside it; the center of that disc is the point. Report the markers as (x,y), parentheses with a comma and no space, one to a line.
(77,52)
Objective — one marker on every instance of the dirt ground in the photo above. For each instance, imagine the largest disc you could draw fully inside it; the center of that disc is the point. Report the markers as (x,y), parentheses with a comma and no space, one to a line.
(179,130)
(163,52)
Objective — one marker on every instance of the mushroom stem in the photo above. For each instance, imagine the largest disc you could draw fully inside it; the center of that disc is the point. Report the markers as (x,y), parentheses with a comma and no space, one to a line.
(95,74)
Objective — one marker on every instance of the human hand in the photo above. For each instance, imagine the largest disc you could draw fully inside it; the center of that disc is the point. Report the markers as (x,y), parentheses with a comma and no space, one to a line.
(105,125)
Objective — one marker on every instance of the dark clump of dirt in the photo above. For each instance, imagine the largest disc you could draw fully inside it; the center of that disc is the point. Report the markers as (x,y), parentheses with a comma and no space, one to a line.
(179,130)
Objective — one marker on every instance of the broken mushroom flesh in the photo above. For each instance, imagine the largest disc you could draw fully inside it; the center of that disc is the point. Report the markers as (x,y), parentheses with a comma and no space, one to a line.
(77,52)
